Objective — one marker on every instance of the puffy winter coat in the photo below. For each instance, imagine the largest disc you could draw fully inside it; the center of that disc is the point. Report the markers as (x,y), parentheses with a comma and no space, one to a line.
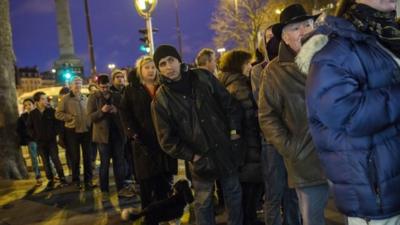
(353,98)
(238,85)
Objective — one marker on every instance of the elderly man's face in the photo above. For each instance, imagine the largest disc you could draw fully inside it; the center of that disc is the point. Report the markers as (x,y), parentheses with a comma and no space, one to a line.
(294,32)
(380,5)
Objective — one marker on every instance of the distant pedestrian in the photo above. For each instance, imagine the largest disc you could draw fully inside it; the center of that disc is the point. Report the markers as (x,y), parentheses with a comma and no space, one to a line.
(44,128)
(25,137)
(72,110)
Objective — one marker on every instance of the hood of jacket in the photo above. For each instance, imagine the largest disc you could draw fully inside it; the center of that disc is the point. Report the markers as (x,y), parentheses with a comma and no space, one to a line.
(326,27)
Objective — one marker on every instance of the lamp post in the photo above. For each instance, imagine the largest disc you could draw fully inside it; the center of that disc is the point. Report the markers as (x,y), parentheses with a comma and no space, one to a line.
(111,66)
(144,9)
(178,27)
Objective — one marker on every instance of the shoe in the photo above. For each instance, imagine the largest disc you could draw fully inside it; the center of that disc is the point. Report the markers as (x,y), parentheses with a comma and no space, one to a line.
(77,184)
(50,186)
(105,196)
(126,193)
(63,182)
(39,182)
(90,186)
(130,214)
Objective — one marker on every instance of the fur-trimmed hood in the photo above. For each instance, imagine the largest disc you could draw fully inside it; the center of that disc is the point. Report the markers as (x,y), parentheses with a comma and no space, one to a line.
(327,26)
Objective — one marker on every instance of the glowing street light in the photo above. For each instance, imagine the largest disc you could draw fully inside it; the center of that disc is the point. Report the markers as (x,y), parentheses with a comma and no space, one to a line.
(111,66)
(53,70)
(221,50)
(144,9)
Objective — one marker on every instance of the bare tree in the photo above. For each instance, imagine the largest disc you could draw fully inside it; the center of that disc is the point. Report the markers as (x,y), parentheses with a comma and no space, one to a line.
(239,26)
(238,23)
(12,165)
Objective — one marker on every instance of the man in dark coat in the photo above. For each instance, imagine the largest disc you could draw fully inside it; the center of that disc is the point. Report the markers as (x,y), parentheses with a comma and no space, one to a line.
(197,120)
(26,139)
(277,195)
(43,128)
(283,118)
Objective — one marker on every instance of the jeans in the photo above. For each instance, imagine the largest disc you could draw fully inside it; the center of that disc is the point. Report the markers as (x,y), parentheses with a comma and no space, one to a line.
(278,196)
(203,205)
(32,147)
(395,220)
(113,150)
(312,203)
(49,151)
(74,142)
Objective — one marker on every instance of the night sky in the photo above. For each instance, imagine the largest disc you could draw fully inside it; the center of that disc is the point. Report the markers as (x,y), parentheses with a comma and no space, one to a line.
(115,27)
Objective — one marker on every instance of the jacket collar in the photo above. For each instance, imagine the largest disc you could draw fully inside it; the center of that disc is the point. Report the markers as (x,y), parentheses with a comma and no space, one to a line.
(286,54)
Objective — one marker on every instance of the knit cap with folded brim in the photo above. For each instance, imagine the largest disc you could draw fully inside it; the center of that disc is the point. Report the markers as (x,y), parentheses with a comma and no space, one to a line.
(163,51)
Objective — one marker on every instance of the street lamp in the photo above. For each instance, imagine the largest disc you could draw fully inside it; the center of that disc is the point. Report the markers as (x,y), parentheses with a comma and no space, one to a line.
(221,50)
(111,66)
(144,9)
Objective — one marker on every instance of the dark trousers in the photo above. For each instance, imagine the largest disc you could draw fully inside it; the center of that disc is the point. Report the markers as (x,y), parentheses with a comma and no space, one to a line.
(113,150)
(128,162)
(250,199)
(47,151)
(154,189)
(76,141)
(278,196)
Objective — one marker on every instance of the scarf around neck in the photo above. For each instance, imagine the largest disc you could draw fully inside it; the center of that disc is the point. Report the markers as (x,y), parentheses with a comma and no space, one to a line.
(382,25)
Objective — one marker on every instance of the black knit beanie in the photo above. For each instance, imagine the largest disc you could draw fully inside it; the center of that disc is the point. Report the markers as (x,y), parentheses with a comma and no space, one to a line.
(163,51)
(103,79)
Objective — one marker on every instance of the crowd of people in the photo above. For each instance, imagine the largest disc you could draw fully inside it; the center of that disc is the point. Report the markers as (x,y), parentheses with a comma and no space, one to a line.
(318,111)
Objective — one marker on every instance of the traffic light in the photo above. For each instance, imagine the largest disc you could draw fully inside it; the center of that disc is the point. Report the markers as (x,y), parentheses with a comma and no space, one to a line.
(67,74)
(145,46)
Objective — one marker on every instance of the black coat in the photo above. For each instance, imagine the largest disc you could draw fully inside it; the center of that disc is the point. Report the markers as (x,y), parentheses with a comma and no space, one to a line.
(149,159)
(22,129)
(198,123)
(238,85)
(43,127)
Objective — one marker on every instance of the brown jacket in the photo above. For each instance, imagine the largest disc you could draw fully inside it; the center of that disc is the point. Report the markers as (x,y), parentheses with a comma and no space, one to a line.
(72,110)
(283,119)
(101,131)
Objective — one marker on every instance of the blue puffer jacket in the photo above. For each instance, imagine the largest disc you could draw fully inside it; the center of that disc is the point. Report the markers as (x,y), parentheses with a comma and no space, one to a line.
(353,100)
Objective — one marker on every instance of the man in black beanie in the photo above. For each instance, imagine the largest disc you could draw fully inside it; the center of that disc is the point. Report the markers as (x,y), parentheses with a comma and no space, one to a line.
(197,120)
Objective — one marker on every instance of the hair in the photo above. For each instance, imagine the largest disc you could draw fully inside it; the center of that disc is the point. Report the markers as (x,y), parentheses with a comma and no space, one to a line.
(343,6)
(140,62)
(259,57)
(28,100)
(92,85)
(115,72)
(37,95)
(77,78)
(233,61)
(64,91)
(103,79)
(204,56)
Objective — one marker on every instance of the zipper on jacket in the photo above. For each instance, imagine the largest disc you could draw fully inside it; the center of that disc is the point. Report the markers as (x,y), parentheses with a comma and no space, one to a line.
(378,198)
(374,181)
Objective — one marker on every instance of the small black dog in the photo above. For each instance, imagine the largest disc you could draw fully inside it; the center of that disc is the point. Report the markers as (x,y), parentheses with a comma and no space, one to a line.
(164,210)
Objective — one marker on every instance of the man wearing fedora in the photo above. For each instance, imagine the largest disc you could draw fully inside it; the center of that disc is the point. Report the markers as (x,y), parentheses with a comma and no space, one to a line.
(283,118)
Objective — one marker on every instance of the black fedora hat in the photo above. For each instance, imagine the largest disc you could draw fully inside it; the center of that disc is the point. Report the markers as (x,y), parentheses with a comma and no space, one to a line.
(292,14)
